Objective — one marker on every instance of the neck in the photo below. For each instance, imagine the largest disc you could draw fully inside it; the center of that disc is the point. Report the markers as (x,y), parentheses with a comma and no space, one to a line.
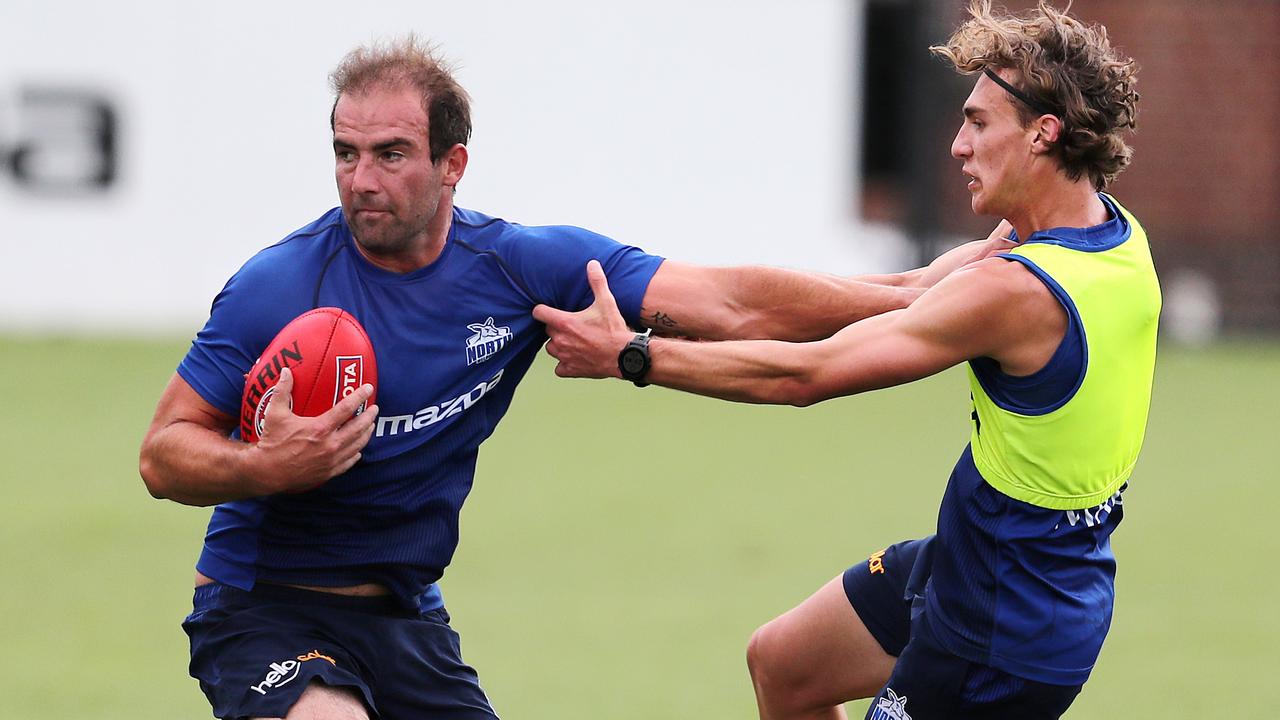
(1063,203)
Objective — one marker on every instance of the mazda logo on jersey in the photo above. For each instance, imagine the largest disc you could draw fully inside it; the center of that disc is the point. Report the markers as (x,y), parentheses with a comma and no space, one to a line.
(58,140)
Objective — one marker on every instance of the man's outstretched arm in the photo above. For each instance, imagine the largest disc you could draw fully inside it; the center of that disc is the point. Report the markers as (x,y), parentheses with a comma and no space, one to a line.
(993,309)
(734,303)
(758,302)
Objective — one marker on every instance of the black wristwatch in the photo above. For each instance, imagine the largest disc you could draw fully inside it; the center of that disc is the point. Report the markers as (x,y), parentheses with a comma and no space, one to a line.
(633,361)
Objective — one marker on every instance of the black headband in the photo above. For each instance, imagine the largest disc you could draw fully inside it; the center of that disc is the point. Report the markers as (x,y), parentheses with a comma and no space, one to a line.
(1031,103)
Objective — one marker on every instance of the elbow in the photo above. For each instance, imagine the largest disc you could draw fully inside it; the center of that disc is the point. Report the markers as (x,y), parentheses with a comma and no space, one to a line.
(806,397)
(743,323)
(776,324)
(804,401)
(152,477)
(152,482)
(797,392)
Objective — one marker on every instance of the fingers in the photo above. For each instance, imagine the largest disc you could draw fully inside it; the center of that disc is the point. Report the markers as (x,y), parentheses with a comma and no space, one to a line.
(360,428)
(280,406)
(348,406)
(350,463)
(600,286)
(548,315)
(604,305)
(284,391)
(303,453)
(353,437)
(1003,231)
(353,431)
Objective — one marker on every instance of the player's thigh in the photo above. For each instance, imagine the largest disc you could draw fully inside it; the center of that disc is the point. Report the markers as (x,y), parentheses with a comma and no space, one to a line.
(819,652)
(321,702)
(421,673)
(930,683)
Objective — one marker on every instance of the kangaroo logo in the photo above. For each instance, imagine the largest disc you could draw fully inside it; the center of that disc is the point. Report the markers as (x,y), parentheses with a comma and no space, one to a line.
(892,707)
(487,340)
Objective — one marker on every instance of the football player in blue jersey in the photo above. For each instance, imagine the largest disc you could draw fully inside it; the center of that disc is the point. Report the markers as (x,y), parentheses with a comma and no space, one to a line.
(1001,613)
(315,589)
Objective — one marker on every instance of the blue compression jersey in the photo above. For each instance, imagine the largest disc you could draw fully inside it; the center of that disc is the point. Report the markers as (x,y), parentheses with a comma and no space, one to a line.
(452,340)
(1024,588)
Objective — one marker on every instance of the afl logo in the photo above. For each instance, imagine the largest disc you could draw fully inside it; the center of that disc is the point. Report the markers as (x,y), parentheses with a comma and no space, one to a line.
(260,413)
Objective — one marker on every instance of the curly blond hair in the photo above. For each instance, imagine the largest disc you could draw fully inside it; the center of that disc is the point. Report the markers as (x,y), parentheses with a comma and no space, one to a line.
(407,62)
(1062,64)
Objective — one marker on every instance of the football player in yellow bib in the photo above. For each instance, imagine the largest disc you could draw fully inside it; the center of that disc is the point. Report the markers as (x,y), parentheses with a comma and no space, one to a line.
(1003,611)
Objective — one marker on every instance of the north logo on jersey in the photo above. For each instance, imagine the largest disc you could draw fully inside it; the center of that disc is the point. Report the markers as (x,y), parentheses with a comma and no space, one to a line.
(487,340)
(891,707)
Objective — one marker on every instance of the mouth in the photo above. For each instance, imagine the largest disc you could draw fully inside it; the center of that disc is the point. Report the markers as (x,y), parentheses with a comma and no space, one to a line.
(974,183)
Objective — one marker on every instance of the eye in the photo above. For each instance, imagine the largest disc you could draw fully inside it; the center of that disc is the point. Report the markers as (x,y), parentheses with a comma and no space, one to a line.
(345,156)
(393,155)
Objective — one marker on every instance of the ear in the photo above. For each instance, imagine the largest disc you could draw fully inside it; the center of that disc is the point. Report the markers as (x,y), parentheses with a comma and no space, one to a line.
(1048,129)
(455,164)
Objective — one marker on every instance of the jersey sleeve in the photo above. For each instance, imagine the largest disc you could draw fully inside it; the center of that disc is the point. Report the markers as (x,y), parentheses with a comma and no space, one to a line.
(552,264)
(245,316)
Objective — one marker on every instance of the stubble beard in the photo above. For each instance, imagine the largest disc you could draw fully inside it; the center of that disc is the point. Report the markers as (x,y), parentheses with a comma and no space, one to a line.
(391,235)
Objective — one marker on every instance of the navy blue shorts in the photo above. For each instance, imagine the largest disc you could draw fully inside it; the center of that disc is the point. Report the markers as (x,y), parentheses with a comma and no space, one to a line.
(255,652)
(887,591)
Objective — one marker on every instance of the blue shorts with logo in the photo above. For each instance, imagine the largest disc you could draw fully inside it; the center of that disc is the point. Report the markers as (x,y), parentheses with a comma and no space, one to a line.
(887,591)
(254,652)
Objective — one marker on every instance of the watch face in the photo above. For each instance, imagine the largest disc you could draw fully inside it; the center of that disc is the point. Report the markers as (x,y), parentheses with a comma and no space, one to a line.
(632,361)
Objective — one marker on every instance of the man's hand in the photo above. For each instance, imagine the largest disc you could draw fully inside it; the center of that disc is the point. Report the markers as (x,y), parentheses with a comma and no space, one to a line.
(587,343)
(188,457)
(297,453)
(997,242)
(964,255)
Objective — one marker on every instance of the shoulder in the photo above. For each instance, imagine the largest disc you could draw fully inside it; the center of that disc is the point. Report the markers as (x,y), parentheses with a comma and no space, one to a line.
(996,282)
(470,221)
(486,231)
(986,308)
(280,281)
(536,245)
(299,251)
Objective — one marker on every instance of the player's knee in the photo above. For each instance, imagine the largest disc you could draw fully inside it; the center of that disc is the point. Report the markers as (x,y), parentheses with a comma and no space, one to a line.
(766,660)
(784,682)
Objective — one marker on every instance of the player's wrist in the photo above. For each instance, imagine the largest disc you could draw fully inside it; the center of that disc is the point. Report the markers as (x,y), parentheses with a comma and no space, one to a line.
(911,278)
(255,475)
(634,360)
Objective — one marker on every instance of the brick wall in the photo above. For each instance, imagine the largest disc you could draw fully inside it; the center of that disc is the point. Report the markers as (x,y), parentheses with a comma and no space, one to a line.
(1205,179)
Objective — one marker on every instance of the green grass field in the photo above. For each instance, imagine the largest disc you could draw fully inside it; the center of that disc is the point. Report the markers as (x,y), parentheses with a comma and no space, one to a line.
(621,544)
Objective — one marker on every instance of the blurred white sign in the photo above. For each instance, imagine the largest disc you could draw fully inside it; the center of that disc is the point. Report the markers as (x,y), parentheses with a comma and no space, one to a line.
(149,149)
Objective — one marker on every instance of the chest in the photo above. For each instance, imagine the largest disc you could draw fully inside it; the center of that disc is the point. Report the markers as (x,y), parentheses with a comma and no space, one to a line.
(439,336)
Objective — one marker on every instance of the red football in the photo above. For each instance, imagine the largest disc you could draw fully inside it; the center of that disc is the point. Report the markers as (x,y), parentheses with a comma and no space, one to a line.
(328,353)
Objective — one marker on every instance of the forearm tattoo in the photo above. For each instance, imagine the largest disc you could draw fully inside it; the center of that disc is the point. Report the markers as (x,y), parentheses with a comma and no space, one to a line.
(663,320)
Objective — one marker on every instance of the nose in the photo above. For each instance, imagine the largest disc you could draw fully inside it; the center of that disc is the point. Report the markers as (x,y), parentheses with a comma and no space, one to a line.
(364,177)
(960,147)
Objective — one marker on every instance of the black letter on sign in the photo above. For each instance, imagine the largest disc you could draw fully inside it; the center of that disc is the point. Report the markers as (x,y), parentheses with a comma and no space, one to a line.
(69,141)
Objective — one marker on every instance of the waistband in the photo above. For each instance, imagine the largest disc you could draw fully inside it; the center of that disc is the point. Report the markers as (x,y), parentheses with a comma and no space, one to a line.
(216,594)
